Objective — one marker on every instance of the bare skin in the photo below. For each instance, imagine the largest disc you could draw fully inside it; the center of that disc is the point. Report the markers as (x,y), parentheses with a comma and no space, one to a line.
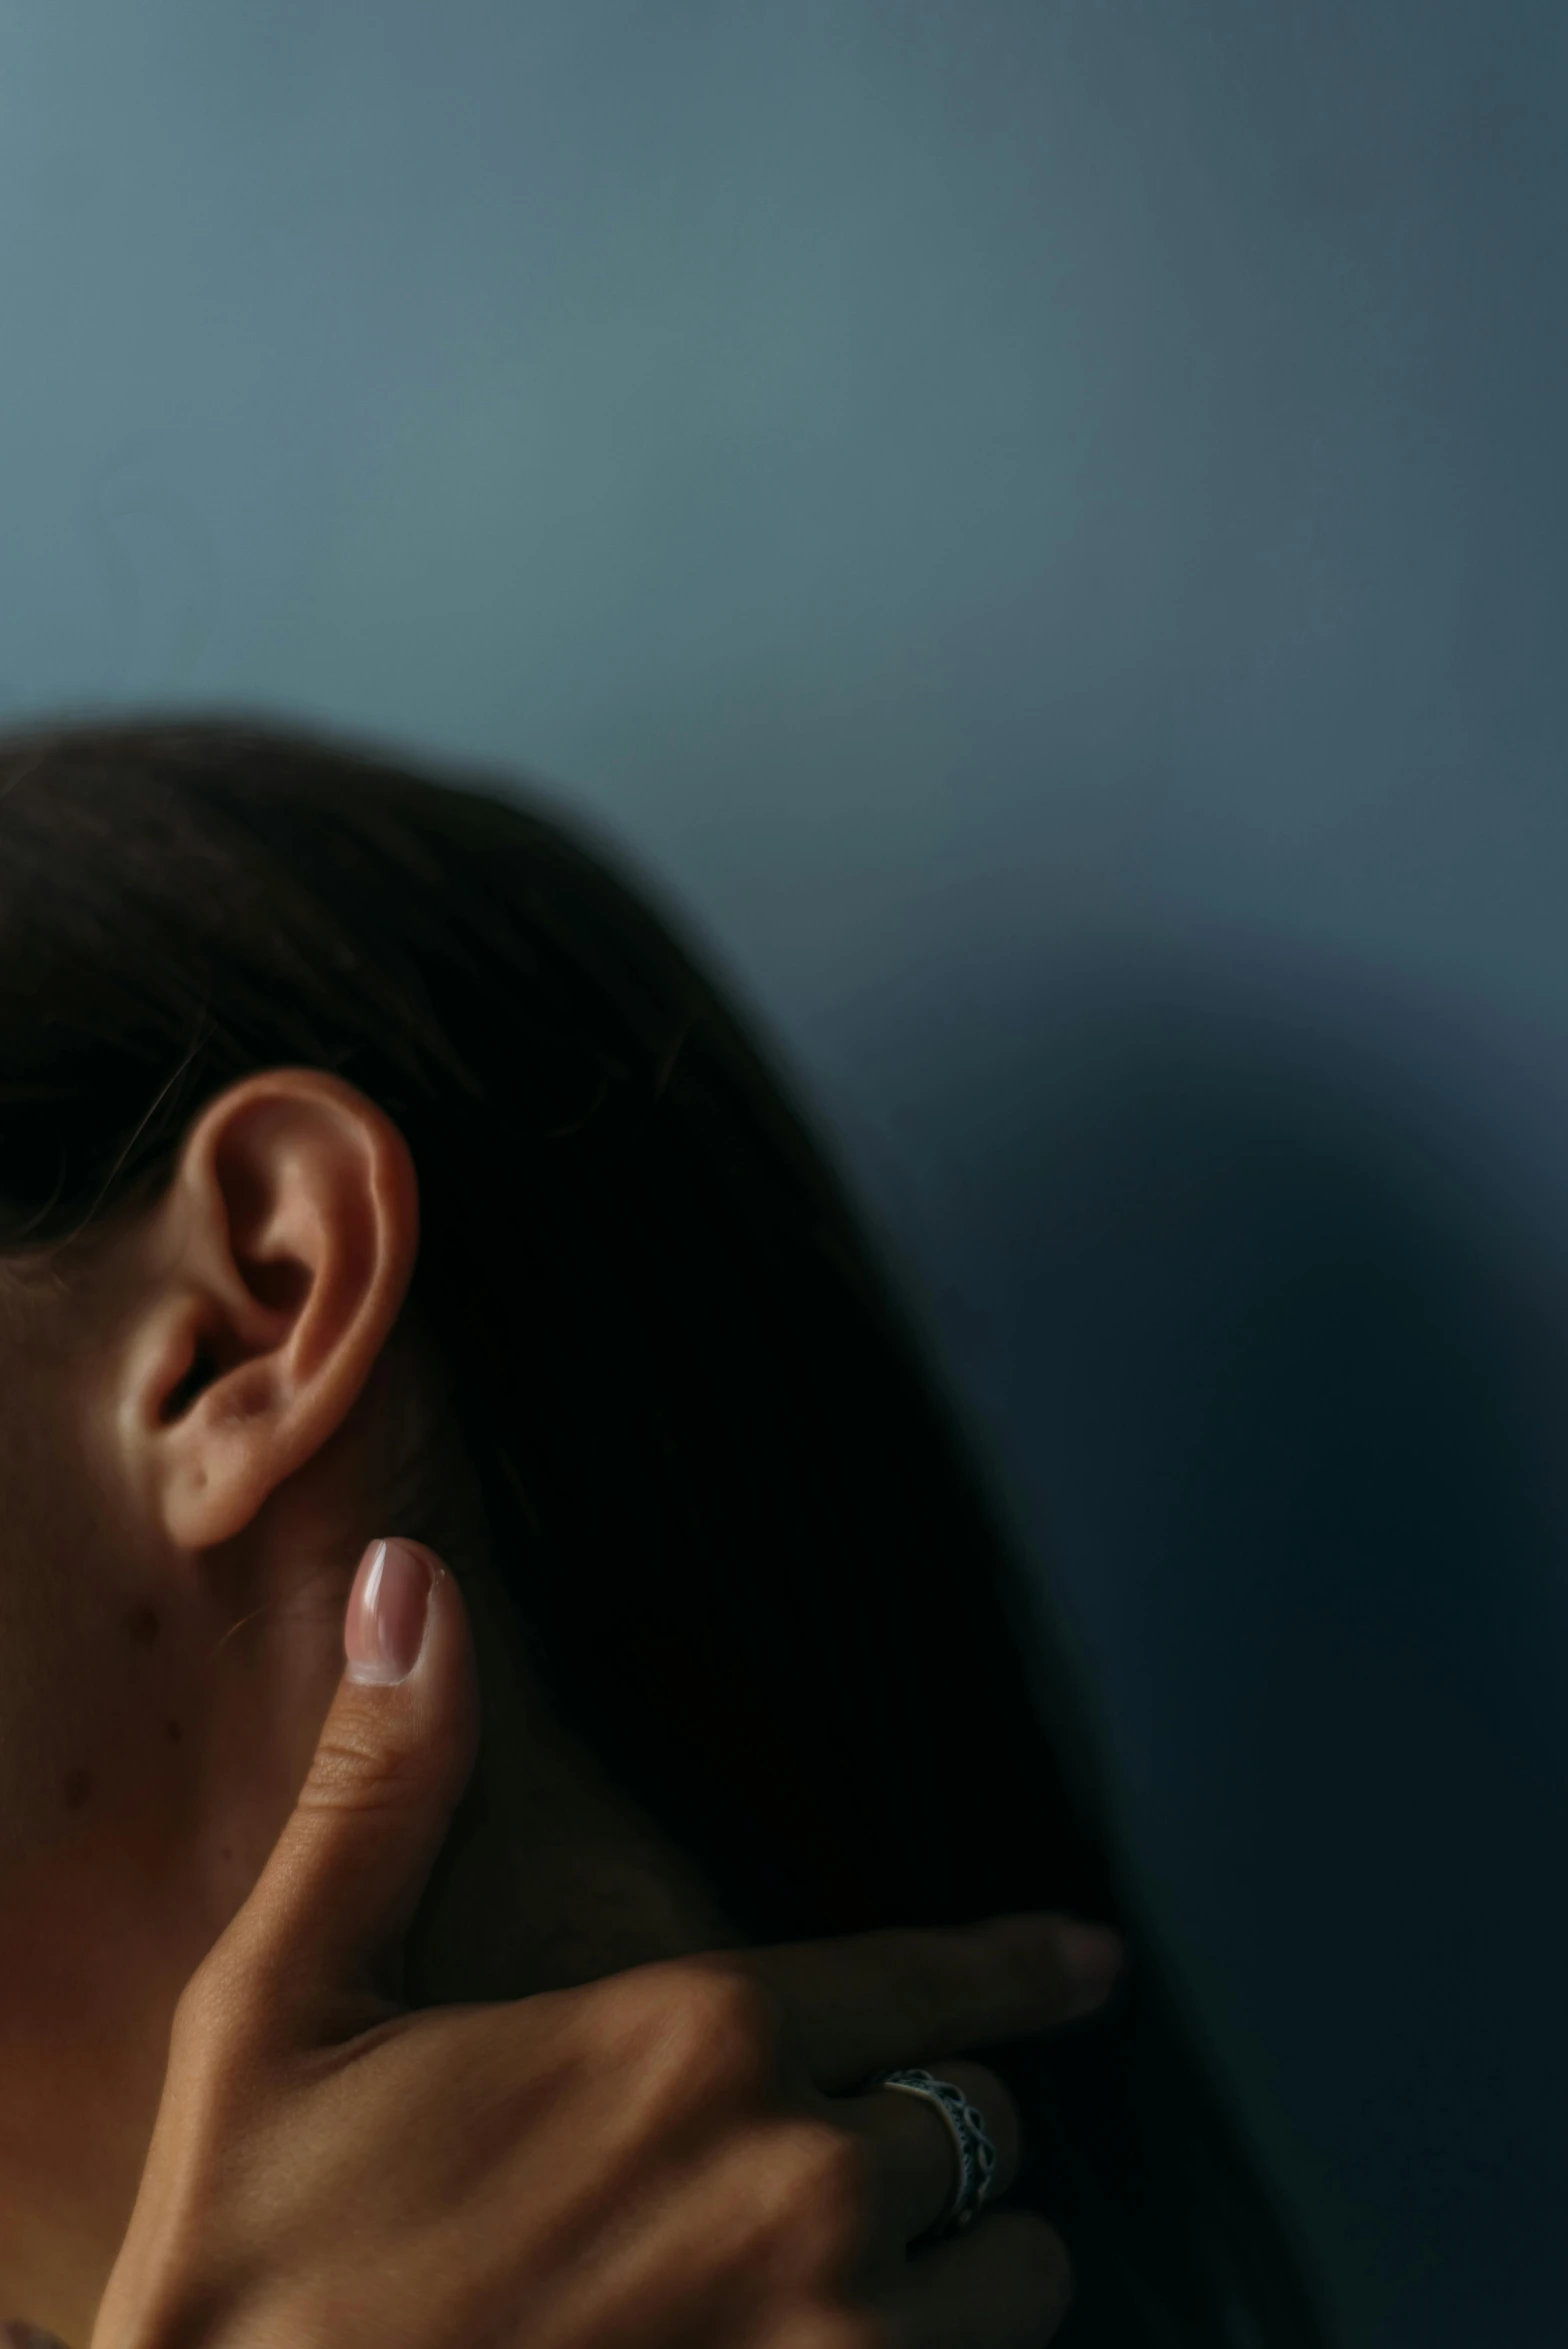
(676,2154)
(217,1404)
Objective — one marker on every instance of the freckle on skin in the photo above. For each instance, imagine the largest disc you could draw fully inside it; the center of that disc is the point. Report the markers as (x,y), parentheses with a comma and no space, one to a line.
(78,1786)
(143,1626)
(172,1730)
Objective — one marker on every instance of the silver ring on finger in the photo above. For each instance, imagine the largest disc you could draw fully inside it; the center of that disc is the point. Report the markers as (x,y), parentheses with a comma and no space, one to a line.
(974,2153)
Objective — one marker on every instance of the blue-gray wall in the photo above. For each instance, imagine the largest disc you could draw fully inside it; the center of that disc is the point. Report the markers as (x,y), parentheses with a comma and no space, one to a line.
(1044,522)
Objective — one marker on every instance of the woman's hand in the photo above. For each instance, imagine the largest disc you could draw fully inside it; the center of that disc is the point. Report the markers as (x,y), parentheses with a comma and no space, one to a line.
(672,2158)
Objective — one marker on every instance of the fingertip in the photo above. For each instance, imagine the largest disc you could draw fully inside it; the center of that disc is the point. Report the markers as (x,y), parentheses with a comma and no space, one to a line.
(1093,1956)
(406,1636)
(447,1661)
(1068,1954)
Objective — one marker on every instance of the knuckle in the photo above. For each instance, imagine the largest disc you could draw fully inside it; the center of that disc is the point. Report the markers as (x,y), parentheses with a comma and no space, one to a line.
(715,2028)
(353,1769)
(729,2003)
(212,2058)
(814,2198)
(197,2015)
(832,2165)
(208,2009)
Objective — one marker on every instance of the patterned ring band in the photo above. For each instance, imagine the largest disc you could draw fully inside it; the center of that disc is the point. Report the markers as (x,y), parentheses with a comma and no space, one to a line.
(972,2146)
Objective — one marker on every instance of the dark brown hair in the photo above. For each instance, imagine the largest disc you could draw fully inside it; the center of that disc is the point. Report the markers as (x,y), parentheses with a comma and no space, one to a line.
(740,1523)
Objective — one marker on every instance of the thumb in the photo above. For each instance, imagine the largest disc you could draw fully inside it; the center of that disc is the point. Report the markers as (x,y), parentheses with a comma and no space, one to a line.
(343,1880)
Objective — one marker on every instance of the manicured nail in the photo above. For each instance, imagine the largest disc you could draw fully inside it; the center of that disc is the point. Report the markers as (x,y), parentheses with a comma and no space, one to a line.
(384,1629)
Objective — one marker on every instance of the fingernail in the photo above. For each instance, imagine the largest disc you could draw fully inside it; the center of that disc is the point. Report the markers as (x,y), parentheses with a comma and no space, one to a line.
(1092,1955)
(384,1629)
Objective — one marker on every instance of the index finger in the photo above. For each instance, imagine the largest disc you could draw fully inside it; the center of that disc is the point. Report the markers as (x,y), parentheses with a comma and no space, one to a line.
(873,2001)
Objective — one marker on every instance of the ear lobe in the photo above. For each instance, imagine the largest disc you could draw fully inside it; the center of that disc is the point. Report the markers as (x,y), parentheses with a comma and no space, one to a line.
(288,1240)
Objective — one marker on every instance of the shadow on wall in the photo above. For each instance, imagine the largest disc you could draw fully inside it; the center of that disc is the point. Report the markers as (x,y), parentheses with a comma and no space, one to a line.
(1274,1288)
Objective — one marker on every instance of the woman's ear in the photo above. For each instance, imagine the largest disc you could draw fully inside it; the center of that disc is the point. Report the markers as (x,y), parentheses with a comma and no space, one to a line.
(277,1264)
